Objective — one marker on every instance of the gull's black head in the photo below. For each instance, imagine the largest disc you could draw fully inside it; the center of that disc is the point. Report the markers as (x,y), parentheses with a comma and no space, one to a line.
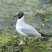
(19,15)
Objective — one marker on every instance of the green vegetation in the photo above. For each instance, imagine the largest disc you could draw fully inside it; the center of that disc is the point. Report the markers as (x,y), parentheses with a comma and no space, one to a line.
(8,43)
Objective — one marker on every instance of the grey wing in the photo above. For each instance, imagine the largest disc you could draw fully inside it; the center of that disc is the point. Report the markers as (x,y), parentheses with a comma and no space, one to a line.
(28,32)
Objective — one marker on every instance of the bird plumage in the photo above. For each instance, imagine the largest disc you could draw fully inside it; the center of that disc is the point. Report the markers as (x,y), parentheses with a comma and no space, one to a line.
(26,29)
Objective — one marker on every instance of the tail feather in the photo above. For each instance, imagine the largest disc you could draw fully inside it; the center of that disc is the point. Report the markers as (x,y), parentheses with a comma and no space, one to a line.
(45,35)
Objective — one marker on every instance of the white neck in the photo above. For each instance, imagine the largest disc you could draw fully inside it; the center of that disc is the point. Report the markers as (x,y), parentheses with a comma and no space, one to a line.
(20,21)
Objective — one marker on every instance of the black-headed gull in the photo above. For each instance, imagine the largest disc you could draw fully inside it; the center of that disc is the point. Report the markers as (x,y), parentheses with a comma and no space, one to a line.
(23,28)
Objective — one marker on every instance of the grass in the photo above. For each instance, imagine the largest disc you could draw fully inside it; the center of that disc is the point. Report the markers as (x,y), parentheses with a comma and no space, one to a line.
(8,43)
